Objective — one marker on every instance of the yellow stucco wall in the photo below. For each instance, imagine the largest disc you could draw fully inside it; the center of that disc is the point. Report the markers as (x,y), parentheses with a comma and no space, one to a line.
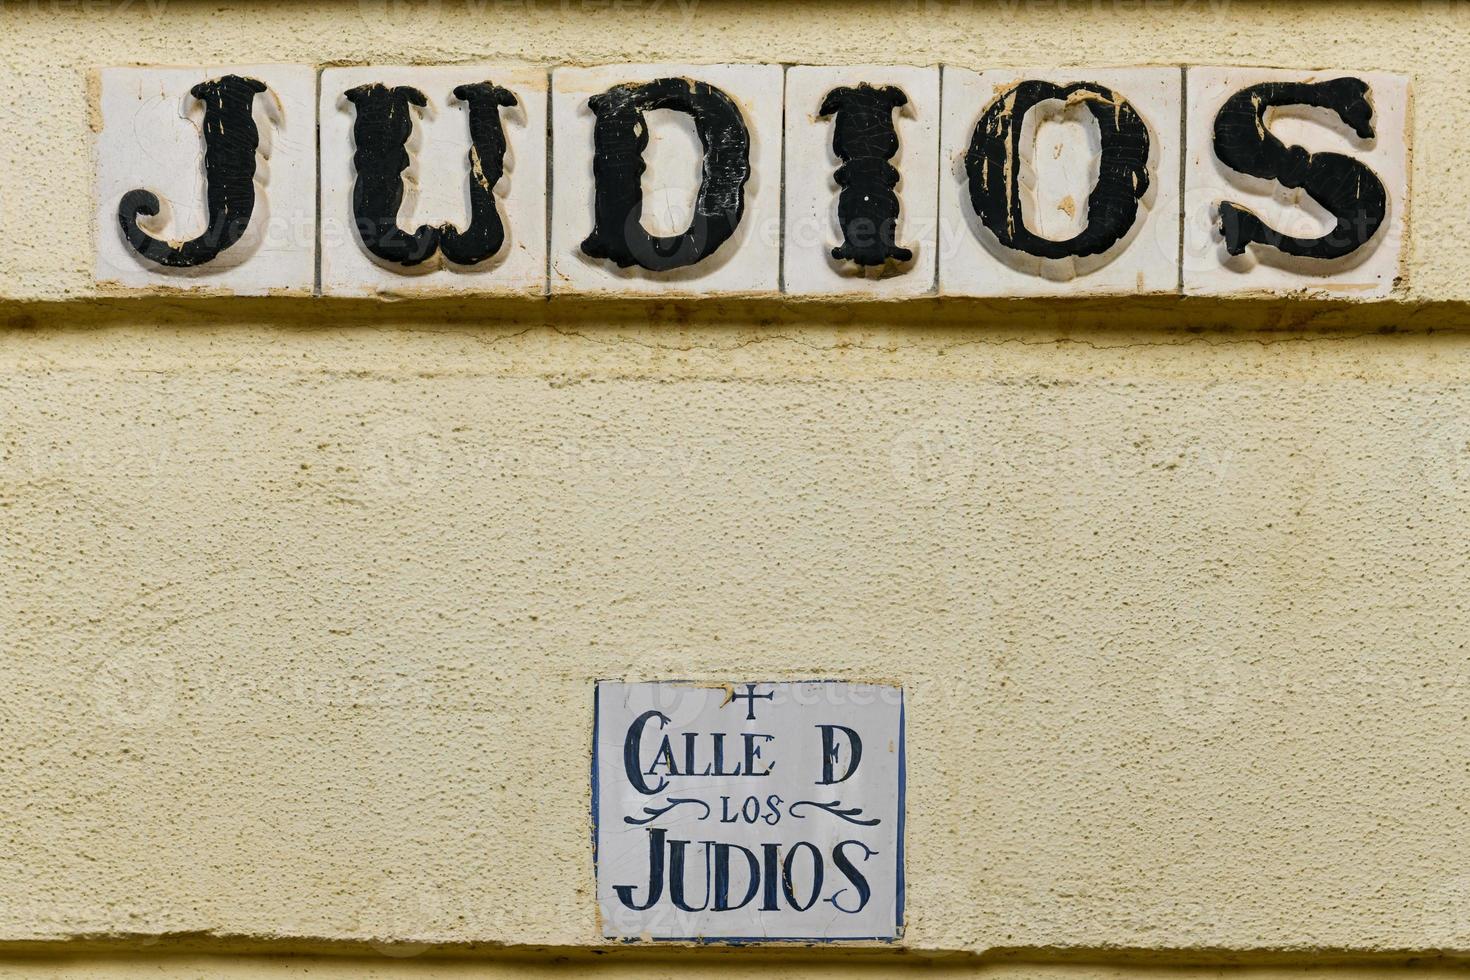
(301,601)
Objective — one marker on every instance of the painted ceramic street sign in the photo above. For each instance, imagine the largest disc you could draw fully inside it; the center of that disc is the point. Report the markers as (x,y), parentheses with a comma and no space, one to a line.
(668,180)
(749,811)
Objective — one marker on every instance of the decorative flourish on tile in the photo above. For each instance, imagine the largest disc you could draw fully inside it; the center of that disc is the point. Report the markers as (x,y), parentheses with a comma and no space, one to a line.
(653,813)
(850,814)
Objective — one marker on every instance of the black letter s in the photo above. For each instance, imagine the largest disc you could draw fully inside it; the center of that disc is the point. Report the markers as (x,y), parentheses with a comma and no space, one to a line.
(1350,191)
(853,875)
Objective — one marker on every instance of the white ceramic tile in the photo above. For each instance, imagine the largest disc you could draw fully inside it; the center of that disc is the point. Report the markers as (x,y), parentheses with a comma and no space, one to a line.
(748,263)
(1368,272)
(791,791)
(1059,166)
(152,139)
(436,183)
(812,192)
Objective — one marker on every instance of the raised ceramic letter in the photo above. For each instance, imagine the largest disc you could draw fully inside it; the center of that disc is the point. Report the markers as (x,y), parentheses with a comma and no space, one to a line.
(865,140)
(1350,191)
(675,170)
(994,168)
(862,181)
(620,137)
(485,235)
(1296,182)
(1062,184)
(384,124)
(230,142)
(433,180)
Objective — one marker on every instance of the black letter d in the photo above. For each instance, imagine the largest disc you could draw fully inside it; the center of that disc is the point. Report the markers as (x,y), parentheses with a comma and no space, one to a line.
(830,747)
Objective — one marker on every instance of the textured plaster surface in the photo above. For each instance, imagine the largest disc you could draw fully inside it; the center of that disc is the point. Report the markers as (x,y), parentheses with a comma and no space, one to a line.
(302,622)
(301,602)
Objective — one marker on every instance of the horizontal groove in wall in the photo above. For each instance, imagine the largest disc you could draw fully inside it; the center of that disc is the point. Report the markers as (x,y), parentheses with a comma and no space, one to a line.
(855,959)
(1100,314)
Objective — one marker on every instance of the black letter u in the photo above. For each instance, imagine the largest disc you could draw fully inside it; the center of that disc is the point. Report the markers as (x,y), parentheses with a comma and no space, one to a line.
(380,133)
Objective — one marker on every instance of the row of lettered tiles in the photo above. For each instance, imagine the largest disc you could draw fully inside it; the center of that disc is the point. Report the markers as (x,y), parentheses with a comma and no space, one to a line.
(1048,223)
